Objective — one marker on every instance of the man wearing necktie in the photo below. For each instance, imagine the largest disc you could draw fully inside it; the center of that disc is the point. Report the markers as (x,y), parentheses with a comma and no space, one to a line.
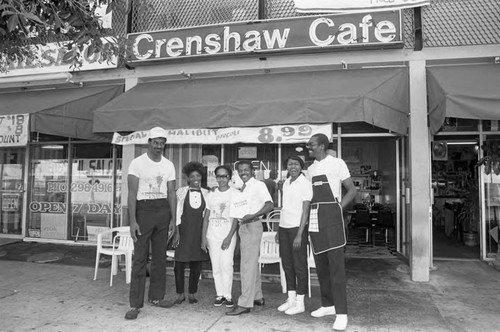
(250,232)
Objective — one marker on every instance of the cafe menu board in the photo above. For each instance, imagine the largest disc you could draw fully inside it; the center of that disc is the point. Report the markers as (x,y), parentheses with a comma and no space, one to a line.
(14,129)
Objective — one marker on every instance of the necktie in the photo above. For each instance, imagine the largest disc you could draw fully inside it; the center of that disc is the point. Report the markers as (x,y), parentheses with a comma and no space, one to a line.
(243,187)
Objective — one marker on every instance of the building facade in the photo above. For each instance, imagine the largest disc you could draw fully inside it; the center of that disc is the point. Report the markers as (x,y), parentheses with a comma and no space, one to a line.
(407,96)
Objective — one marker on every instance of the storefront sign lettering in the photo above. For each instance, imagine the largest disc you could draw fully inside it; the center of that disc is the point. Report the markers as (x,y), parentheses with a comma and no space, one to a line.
(97,166)
(47,207)
(14,129)
(94,208)
(51,58)
(285,134)
(377,29)
(89,208)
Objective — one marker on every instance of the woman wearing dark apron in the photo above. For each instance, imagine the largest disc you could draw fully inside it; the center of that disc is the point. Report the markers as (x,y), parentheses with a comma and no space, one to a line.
(187,238)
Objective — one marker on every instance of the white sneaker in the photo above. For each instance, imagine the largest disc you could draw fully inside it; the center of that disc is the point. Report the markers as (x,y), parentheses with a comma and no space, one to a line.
(323,311)
(297,308)
(285,306)
(340,323)
(289,302)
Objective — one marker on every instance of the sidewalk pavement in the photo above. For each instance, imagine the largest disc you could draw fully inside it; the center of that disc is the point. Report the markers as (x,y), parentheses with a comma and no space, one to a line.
(461,296)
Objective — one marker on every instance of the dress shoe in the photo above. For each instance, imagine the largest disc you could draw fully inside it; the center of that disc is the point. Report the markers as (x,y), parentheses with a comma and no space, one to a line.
(132,313)
(161,303)
(259,302)
(238,311)
(179,300)
(192,300)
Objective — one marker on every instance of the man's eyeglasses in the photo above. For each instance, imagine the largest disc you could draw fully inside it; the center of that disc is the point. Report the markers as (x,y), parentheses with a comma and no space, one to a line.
(222,176)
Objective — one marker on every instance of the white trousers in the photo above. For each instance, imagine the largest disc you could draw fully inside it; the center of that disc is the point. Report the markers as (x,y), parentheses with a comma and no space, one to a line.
(222,266)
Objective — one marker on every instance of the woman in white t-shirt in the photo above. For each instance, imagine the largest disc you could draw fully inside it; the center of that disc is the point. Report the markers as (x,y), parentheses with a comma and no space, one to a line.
(219,236)
(292,235)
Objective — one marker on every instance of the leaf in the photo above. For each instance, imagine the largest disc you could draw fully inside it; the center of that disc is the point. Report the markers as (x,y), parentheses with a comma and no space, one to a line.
(7,12)
(68,57)
(33,17)
(12,23)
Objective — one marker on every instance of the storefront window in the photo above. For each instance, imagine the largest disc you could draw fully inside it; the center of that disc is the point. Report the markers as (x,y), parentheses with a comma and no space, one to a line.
(48,182)
(91,188)
(263,156)
(210,158)
(491,125)
(73,202)
(457,124)
(12,190)
(372,164)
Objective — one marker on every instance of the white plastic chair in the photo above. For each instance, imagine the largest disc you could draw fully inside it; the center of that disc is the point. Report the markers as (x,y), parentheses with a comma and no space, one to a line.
(272,218)
(122,244)
(270,254)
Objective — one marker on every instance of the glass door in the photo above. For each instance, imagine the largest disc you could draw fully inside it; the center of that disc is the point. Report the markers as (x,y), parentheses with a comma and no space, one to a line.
(490,175)
(12,189)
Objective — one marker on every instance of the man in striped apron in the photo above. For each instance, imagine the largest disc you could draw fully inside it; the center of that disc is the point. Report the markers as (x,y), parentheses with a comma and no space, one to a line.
(326,228)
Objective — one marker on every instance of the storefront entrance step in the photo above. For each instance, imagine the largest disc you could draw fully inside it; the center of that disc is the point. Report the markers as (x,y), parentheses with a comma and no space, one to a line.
(46,257)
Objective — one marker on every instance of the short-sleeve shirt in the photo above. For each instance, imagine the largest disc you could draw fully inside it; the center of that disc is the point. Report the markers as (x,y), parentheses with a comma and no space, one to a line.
(294,195)
(153,176)
(335,170)
(257,194)
(219,223)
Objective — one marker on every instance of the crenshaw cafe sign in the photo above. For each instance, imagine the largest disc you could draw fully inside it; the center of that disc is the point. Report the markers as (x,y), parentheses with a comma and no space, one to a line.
(312,33)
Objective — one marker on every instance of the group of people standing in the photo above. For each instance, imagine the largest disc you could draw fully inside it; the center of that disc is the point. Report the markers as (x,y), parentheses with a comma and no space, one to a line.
(202,227)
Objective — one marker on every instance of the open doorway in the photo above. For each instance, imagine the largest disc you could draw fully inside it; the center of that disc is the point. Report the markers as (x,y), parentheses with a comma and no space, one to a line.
(455,212)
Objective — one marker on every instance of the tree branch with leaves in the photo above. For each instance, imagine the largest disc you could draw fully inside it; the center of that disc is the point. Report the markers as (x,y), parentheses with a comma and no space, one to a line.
(25,26)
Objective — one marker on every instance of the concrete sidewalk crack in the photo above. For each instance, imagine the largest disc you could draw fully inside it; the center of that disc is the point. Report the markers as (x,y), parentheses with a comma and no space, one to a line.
(215,322)
(2,296)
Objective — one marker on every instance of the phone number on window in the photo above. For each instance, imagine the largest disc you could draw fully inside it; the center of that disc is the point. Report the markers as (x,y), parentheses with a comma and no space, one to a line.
(61,187)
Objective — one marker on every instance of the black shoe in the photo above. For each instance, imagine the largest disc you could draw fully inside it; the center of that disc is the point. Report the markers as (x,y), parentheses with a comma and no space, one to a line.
(179,300)
(259,302)
(132,313)
(229,303)
(161,303)
(220,300)
(238,311)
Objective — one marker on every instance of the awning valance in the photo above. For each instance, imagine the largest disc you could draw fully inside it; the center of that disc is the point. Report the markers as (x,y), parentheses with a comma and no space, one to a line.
(376,96)
(466,91)
(61,112)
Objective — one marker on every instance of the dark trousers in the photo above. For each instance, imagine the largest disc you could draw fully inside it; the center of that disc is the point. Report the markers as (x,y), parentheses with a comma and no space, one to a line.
(330,267)
(194,276)
(294,261)
(153,217)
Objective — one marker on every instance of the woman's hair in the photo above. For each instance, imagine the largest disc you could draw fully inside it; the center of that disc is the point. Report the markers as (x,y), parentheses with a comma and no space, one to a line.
(297,158)
(227,168)
(193,166)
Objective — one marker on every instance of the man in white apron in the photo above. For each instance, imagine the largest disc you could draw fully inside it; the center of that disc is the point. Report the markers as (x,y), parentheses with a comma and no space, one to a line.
(326,228)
